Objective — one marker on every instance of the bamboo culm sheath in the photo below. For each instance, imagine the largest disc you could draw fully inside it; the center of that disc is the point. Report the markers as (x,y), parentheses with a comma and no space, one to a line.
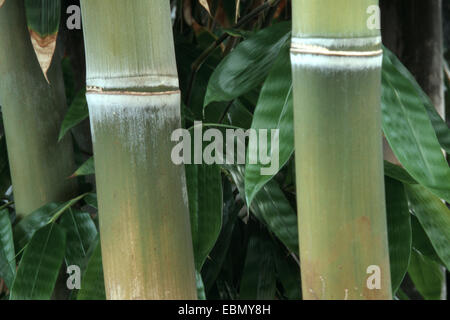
(33,111)
(134,106)
(336,62)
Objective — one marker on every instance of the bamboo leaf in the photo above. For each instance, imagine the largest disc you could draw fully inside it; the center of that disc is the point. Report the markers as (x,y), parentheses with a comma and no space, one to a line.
(399,231)
(439,125)
(43,18)
(92,283)
(434,216)
(398,173)
(5,176)
(272,208)
(85,169)
(81,233)
(421,242)
(7,253)
(25,229)
(288,272)
(48,213)
(77,112)
(248,65)
(213,265)
(427,276)
(39,267)
(200,286)
(273,112)
(409,131)
(258,279)
(204,184)
(91,199)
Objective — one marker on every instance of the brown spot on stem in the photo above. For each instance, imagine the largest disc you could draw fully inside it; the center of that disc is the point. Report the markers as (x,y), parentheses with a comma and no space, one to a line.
(44,48)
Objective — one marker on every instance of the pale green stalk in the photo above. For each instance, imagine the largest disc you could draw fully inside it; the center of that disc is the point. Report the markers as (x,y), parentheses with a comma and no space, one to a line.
(336,61)
(32,112)
(134,105)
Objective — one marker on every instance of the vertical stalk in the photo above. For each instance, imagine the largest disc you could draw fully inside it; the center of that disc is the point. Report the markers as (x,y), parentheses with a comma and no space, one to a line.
(134,106)
(32,112)
(336,62)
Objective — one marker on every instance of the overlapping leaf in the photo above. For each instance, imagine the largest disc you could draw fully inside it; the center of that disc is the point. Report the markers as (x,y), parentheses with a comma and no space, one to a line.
(409,131)
(78,111)
(258,280)
(427,276)
(93,283)
(272,208)
(7,253)
(48,213)
(81,233)
(248,65)
(39,267)
(87,168)
(399,231)
(204,184)
(434,216)
(273,112)
(439,125)
(213,265)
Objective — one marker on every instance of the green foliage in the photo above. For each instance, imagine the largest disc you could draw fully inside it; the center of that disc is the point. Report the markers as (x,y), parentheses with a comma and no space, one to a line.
(434,216)
(7,254)
(399,231)
(43,16)
(249,64)
(204,185)
(244,224)
(40,264)
(408,129)
(92,284)
(86,169)
(77,112)
(276,91)
(427,276)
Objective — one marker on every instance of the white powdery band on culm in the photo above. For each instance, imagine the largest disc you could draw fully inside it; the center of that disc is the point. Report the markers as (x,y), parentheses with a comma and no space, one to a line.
(134,114)
(336,54)
(112,81)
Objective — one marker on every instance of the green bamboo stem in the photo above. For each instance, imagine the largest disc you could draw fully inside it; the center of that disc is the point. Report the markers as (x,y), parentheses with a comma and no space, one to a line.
(32,112)
(134,105)
(336,63)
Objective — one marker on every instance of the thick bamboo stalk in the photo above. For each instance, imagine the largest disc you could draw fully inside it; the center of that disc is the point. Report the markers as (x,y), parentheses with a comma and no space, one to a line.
(336,61)
(134,106)
(32,112)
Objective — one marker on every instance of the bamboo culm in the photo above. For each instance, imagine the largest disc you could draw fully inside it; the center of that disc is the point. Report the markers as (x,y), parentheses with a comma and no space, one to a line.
(134,106)
(336,61)
(33,111)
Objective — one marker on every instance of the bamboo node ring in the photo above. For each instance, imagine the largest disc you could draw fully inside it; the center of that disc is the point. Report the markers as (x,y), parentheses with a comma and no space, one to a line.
(99,90)
(318,50)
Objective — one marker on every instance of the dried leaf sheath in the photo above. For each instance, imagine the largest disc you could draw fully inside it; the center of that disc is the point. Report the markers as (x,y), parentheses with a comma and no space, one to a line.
(336,63)
(43,17)
(134,106)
